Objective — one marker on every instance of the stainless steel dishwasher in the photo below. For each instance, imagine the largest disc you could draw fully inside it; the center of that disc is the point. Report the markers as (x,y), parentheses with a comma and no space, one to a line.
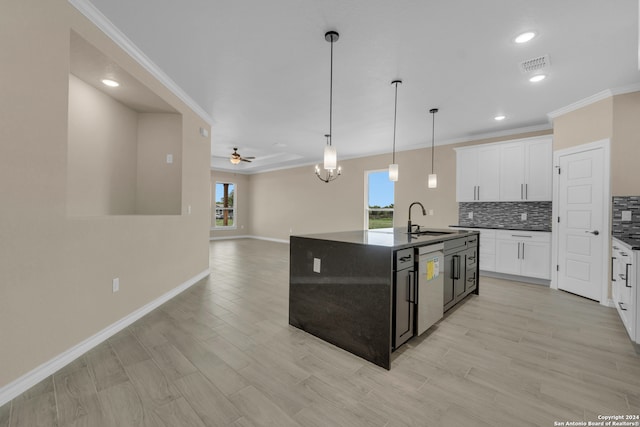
(430,286)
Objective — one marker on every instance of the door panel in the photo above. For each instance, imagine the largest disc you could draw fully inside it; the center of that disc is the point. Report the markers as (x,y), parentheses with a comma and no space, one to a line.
(581,204)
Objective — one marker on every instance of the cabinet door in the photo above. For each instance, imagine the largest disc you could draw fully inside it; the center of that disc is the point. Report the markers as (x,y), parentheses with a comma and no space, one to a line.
(512,172)
(488,177)
(459,275)
(466,175)
(470,281)
(538,170)
(449,296)
(536,259)
(404,306)
(507,256)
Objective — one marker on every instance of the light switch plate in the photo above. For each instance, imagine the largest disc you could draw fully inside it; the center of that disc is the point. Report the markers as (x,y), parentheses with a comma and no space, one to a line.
(470,215)
(316,265)
(626,215)
(169,159)
(523,217)
(115,286)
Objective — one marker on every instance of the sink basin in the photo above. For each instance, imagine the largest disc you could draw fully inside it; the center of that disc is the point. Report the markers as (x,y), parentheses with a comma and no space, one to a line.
(429,233)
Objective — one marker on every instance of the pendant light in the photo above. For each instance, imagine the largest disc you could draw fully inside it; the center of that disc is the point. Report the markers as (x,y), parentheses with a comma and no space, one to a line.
(330,155)
(393,167)
(432,181)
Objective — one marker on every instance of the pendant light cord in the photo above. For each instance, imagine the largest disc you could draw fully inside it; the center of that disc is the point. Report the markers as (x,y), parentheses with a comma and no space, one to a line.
(331,95)
(433,132)
(395,114)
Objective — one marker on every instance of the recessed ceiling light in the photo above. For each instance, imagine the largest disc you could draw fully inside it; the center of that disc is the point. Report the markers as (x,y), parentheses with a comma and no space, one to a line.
(110,83)
(499,118)
(525,37)
(537,78)
(279,144)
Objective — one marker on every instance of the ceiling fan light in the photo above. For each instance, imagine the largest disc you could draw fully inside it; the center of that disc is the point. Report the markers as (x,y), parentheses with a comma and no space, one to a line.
(235,160)
(393,172)
(330,157)
(432,181)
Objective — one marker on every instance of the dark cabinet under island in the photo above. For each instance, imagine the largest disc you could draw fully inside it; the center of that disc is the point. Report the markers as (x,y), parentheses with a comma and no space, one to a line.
(343,286)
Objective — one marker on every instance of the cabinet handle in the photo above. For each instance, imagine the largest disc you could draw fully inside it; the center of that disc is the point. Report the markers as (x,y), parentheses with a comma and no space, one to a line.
(518,250)
(526,191)
(616,248)
(455,263)
(626,276)
(613,278)
(478,192)
(521,192)
(621,307)
(522,250)
(624,254)
(520,235)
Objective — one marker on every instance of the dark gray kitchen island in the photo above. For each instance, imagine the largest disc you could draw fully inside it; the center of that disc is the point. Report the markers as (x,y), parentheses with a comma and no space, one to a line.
(341,285)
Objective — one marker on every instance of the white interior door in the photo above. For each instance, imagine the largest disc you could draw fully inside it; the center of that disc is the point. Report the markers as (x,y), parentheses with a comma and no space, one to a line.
(581,229)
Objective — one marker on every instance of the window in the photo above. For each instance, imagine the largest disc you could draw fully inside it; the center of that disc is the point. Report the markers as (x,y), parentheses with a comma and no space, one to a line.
(379,202)
(225,205)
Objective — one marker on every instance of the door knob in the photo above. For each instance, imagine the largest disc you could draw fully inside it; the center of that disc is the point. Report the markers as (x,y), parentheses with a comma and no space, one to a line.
(595,233)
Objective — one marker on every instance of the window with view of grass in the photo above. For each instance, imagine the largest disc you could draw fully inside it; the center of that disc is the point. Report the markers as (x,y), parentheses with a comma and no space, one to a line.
(225,208)
(379,201)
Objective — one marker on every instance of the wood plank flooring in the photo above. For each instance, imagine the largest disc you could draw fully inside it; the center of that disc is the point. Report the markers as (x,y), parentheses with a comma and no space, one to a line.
(222,354)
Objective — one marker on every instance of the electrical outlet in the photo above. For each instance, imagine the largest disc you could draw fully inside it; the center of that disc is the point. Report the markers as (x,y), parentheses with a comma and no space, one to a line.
(189,209)
(115,286)
(523,217)
(169,159)
(431,212)
(470,215)
(626,215)
(316,265)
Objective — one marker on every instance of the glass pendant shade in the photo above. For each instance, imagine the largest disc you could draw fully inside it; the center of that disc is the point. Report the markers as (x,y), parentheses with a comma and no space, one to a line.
(330,157)
(432,181)
(393,172)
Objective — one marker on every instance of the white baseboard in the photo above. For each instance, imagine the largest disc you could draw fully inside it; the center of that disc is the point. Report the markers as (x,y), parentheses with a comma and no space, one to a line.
(25,382)
(270,239)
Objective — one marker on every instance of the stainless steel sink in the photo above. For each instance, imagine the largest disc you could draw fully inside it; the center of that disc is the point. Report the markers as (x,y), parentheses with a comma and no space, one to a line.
(429,233)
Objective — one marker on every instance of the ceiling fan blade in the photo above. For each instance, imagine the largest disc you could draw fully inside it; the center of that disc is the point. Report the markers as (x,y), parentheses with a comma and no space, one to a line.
(245,160)
(249,157)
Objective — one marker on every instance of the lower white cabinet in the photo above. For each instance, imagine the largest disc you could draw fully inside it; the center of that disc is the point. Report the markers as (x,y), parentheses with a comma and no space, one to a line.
(523,253)
(624,286)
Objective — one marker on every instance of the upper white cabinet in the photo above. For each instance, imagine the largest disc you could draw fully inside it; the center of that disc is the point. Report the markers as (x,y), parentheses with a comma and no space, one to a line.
(478,174)
(508,172)
(526,170)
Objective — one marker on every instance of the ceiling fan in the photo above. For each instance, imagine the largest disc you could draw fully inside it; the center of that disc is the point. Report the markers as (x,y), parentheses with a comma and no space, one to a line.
(237,158)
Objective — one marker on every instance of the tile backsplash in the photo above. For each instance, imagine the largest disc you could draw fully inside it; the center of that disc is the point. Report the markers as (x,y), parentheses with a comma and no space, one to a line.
(627,228)
(506,214)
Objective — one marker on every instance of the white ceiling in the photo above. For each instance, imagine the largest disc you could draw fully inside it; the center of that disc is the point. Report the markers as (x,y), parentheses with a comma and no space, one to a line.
(260,68)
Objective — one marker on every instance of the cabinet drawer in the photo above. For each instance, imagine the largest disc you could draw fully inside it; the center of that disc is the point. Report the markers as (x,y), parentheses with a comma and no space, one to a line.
(526,236)
(454,244)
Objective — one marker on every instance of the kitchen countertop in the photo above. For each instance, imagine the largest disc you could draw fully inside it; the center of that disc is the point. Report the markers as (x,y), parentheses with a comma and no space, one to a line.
(634,243)
(396,238)
(545,230)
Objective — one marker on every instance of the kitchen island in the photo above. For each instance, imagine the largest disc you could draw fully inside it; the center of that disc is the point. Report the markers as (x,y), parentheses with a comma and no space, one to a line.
(342,286)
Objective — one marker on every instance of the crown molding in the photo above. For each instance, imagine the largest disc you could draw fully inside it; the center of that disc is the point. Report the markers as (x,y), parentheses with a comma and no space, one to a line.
(106,26)
(608,93)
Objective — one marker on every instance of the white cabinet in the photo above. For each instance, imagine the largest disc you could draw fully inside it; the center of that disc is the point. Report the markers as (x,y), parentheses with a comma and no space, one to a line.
(509,171)
(523,253)
(477,173)
(487,250)
(624,286)
(526,170)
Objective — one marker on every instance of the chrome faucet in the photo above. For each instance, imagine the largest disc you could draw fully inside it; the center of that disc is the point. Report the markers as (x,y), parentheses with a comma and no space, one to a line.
(424,212)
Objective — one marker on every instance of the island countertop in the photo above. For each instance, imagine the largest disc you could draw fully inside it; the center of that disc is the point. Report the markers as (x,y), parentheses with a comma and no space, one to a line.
(395,238)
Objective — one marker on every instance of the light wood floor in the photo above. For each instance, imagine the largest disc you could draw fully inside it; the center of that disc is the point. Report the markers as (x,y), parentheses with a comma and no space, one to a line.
(222,354)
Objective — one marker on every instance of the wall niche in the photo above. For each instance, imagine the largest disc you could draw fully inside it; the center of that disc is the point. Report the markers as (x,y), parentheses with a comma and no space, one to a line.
(124,153)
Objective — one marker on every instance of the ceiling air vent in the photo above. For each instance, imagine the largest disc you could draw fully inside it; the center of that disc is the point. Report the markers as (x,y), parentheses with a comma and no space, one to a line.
(535,65)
